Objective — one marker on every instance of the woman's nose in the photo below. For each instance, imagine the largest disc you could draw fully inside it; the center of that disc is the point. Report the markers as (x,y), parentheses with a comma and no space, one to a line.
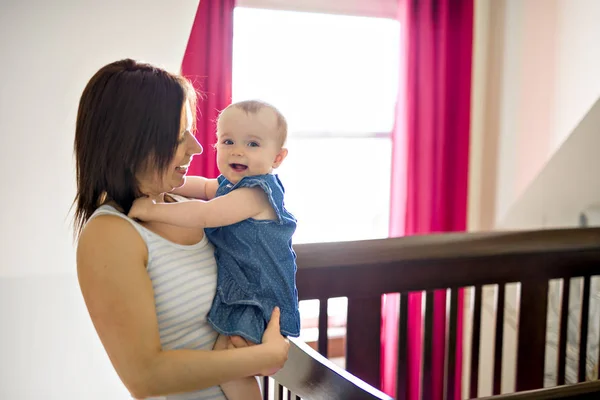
(194,146)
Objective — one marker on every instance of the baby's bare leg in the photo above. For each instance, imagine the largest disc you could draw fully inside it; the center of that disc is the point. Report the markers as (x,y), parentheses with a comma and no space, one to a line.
(222,343)
(246,388)
(239,341)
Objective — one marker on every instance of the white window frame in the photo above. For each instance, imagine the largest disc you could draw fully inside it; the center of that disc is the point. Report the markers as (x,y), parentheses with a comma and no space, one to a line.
(362,8)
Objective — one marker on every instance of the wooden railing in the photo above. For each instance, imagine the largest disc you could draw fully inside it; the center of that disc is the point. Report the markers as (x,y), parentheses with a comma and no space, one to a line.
(579,391)
(309,375)
(363,271)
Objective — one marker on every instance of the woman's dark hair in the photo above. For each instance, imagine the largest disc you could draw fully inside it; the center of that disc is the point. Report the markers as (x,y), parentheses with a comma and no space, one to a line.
(129,115)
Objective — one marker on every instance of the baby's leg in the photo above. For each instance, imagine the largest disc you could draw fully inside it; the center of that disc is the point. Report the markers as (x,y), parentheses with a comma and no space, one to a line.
(238,341)
(242,389)
(222,343)
(245,388)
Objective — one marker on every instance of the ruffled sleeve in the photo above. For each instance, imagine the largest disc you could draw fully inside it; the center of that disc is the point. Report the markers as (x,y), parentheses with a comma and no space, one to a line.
(272,187)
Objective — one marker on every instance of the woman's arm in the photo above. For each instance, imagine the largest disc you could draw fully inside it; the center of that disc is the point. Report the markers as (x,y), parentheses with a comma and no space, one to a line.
(111,267)
(245,388)
(198,187)
(233,207)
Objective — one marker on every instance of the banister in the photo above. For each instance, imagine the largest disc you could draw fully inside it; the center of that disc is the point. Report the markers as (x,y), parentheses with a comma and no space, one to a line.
(446,245)
(579,391)
(312,376)
(444,261)
(363,270)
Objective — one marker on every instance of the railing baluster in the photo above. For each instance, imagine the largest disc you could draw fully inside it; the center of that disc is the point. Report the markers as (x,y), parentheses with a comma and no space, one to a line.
(450,368)
(475,342)
(363,334)
(278,392)
(402,370)
(598,344)
(323,327)
(564,324)
(583,330)
(531,344)
(265,393)
(427,353)
(499,337)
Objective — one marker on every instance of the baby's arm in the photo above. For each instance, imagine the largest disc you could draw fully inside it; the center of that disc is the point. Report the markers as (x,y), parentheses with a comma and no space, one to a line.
(198,187)
(233,207)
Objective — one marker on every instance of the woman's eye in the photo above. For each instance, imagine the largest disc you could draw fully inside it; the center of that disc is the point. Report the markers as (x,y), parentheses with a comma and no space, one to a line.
(253,144)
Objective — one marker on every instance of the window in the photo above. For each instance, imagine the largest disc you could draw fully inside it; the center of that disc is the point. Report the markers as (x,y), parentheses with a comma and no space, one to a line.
(335,78)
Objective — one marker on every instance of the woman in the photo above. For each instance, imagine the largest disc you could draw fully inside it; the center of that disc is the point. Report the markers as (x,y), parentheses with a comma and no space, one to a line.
(149,286)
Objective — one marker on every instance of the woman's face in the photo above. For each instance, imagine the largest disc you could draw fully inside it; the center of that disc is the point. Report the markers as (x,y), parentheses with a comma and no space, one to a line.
(153,182)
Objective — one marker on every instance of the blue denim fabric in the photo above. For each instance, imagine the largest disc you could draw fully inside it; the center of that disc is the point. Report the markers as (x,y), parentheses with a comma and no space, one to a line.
(256,267)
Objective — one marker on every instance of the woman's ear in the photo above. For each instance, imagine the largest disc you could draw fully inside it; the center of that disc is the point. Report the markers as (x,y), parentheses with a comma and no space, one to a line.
(280,157)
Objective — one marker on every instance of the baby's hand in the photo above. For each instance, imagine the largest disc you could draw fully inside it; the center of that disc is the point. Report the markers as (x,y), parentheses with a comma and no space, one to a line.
(141,208)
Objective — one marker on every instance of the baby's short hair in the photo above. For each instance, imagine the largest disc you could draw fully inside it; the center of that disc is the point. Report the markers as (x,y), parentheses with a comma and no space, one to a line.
(254,106)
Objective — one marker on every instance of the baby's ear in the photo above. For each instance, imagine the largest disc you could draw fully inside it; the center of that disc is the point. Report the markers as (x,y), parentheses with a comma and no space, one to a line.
(280,157)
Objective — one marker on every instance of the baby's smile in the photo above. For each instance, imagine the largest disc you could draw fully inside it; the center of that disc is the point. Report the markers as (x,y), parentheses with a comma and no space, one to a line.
(238,167)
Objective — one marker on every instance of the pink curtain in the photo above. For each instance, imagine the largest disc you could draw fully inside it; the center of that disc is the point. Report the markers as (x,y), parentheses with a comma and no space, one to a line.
(208,64)
(430,166)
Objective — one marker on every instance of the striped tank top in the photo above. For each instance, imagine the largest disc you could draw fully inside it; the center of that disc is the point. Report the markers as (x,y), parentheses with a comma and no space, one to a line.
(184,279)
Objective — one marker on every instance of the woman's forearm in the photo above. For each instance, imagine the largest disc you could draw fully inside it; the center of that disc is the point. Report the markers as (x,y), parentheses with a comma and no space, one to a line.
(179,371)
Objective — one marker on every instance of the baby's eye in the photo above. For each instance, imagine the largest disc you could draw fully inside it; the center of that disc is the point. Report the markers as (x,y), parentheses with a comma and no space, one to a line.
(253,144)
(228,142)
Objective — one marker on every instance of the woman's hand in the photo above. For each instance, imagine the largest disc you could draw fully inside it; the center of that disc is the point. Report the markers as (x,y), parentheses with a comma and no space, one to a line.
(276,345)
(141,208)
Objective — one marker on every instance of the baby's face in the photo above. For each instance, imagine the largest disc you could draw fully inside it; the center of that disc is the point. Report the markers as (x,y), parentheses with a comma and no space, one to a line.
(248,144)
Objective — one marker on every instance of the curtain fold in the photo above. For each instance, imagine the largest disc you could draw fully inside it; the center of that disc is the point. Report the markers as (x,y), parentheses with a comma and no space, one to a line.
(430,155)
(208,64)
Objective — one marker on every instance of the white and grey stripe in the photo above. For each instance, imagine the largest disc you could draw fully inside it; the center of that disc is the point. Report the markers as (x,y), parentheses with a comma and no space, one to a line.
(184,279)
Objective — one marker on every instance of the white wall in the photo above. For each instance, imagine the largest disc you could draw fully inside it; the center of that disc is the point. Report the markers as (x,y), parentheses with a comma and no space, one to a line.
(49,49)
(548,80)
(578,64)
(567,182)
(567,186)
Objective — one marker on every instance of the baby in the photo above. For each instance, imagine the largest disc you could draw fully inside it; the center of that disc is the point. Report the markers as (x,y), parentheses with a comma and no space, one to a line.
(244,216)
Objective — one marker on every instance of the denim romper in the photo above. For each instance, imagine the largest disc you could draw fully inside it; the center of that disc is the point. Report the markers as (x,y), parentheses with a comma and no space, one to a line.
(256,267)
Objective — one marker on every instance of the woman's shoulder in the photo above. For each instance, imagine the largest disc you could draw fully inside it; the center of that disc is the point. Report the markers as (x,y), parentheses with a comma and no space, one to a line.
(109,251)
(109,231)
(106,219)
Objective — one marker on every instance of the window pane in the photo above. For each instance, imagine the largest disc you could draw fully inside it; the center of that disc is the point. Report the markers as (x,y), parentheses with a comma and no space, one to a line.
(338,188)
(326,73)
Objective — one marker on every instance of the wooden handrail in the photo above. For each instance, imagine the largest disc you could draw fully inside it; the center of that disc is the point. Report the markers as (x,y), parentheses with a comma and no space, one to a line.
(312,376)
(443,261)
(579,391)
